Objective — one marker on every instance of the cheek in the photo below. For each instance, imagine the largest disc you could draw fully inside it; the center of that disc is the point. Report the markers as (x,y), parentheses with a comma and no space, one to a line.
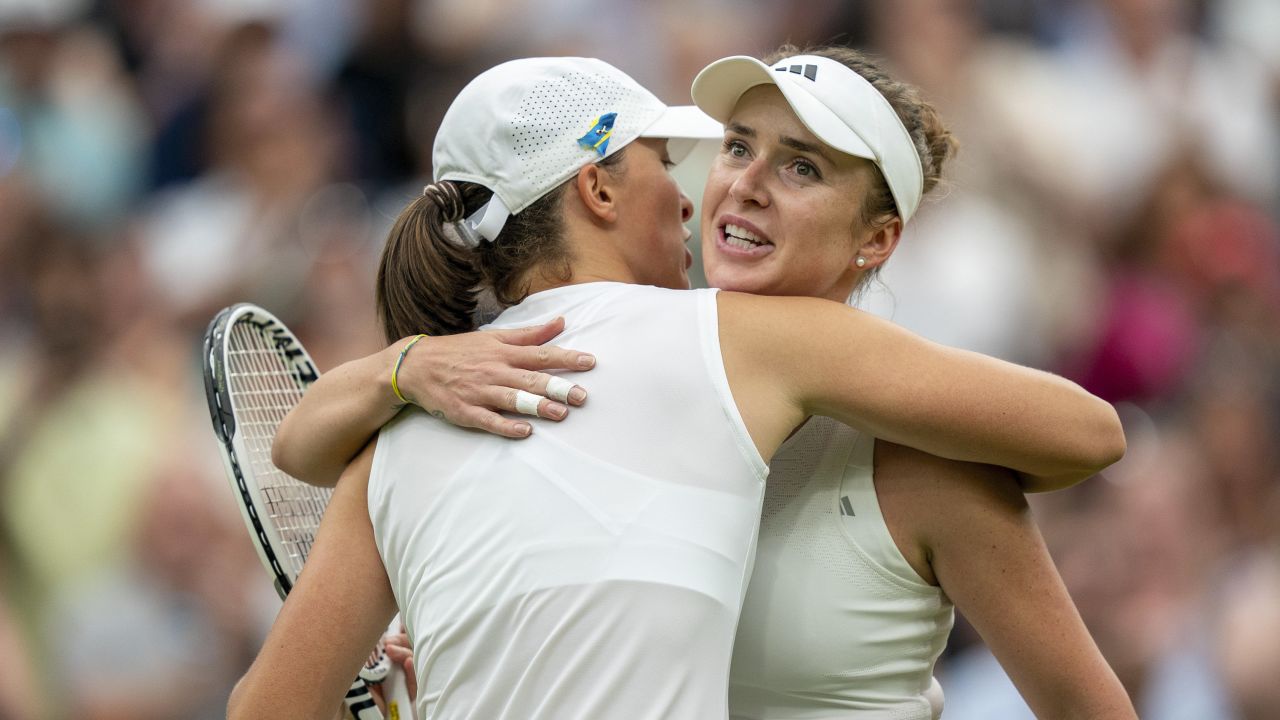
(717,187)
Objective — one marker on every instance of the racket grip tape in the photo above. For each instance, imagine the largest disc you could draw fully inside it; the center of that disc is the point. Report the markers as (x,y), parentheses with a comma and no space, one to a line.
(360,702)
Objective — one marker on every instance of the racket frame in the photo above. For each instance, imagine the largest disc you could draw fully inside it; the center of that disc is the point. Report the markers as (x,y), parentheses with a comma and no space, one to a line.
(218,395)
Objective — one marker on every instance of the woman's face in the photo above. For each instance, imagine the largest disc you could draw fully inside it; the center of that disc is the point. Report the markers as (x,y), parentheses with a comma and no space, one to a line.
(655,217)
(781,210)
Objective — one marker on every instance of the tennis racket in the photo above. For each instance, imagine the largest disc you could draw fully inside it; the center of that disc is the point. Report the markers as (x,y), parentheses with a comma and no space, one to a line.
(255,371)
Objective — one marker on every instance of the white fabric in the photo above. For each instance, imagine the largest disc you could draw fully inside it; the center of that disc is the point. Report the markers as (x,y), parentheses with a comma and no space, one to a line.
(597,568)
(836,623)
(514,129)
(837,104)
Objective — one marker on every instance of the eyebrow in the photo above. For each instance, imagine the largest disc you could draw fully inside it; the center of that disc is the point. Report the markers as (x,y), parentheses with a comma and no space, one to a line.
(786,141)
(804,147)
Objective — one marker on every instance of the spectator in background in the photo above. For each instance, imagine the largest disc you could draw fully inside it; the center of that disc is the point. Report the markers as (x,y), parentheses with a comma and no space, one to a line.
(1120,157)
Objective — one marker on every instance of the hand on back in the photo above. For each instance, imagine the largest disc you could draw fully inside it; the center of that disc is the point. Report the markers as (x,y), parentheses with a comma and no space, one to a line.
(469,379)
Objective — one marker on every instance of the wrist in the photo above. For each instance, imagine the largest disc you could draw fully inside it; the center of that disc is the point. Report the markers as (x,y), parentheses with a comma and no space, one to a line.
(393,379)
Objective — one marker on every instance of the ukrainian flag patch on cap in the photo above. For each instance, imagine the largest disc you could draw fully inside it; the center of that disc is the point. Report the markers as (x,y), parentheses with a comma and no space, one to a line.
(597,138)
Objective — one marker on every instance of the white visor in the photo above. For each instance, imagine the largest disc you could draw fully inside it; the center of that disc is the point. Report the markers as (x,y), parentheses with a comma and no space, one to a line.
(835,103)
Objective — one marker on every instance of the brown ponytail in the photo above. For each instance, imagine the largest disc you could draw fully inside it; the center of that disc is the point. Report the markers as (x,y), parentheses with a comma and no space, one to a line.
(934,142)
(429,279)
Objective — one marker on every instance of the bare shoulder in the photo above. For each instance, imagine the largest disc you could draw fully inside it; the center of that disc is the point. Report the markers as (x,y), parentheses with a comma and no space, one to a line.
(928,501)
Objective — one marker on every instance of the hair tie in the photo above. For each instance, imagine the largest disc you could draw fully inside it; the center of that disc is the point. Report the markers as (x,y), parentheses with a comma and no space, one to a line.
(447,197)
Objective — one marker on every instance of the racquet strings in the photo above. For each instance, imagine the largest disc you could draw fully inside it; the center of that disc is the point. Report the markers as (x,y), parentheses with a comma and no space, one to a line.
(263,389)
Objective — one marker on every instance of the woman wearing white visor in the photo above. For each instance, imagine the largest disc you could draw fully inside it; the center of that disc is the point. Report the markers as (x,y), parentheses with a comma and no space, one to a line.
(845,614)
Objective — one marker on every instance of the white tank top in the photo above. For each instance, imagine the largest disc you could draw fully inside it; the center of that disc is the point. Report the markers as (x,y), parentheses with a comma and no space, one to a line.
(836,623)
(596,569)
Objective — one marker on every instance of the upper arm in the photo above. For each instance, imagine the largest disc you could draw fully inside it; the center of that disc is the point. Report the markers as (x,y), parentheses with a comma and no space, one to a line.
(990,559)
(332,618)
(795,357)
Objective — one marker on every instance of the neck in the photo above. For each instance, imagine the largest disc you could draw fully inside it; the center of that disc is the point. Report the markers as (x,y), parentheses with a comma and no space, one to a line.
(591,259)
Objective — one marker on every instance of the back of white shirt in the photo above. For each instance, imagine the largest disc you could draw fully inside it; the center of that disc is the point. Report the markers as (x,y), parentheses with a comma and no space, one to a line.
(595,569)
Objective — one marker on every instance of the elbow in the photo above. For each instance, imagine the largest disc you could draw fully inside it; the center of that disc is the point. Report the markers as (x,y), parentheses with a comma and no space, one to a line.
(280,456)
(289,462)
(1110,445)
(235,709)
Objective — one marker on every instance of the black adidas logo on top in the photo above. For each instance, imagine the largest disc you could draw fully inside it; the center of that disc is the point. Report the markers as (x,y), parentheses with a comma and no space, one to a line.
(809,71)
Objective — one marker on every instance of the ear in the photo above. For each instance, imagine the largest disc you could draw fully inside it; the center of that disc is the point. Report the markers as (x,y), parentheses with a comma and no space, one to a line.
(598,192)
(879,244)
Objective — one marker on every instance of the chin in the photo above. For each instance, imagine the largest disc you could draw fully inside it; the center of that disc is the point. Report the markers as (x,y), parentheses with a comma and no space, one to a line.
(737,282)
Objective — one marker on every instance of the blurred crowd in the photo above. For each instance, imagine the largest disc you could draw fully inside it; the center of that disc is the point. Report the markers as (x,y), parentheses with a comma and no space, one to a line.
(1112,216)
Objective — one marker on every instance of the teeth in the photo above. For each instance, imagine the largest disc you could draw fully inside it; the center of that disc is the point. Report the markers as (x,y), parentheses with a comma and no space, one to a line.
(741,233)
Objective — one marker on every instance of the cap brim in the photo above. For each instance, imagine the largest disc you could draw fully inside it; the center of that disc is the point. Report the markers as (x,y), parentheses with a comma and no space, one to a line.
(683,126)
(721,84)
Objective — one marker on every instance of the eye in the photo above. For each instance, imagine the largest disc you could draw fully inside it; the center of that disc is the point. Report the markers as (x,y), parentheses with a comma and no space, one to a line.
(735,148)
(804,168)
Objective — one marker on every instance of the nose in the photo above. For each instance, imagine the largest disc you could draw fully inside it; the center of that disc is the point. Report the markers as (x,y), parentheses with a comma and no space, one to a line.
(686,207)
(749,186)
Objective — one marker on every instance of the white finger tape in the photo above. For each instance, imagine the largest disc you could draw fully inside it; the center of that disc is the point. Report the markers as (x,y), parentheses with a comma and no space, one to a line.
(558,389)
(527,402)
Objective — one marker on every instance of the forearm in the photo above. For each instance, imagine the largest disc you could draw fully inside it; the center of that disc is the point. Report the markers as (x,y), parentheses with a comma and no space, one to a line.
(336,418)
(966,406)
(332,617)
(1049,430)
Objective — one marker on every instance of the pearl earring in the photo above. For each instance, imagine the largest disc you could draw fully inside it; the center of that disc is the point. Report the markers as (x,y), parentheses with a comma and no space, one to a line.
(860,262)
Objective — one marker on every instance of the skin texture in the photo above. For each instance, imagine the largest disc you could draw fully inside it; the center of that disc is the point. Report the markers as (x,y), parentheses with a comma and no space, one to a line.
(790,358)
(795,192)
(965,527)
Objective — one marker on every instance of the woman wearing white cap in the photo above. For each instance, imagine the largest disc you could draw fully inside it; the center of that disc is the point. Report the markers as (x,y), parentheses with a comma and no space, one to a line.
(596,569)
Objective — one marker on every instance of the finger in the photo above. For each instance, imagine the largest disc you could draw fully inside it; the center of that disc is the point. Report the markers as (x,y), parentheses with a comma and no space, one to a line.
(551,357)
(556,388)
(410,679)
(535,335)
(560,390)
(492,422)
(526,403)
(398,654)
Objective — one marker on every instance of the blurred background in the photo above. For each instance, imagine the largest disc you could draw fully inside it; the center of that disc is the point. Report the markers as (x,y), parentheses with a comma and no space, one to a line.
(1112,216)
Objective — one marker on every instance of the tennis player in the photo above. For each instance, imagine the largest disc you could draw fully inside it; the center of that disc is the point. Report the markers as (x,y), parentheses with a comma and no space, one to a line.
(596,569)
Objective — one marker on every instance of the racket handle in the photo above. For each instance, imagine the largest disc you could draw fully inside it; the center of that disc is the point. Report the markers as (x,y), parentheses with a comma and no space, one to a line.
(360,702)
(396,693)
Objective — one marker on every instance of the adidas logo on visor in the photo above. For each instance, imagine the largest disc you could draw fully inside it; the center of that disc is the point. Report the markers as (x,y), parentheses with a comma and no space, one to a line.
(809,71)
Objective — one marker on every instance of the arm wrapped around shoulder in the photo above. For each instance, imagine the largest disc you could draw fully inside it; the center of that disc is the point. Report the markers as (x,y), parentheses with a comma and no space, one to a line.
(830,359)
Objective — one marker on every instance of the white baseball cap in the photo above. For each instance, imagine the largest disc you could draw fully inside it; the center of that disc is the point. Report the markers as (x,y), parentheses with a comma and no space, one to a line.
(837,104)
(521,129)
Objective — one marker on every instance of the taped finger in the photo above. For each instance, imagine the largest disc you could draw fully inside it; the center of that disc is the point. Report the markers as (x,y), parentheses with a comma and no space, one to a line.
(558,389)
(527,402)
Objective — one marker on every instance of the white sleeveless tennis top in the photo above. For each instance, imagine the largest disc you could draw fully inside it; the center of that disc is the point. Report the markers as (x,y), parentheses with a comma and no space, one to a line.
(836,623)
(596,569)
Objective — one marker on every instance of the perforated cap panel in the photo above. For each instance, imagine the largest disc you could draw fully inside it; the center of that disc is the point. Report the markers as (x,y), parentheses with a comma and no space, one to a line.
(515,128)
(556,112)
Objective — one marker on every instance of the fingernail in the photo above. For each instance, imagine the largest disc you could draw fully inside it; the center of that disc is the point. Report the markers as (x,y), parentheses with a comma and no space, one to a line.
(586,361)
(524,429)
(556,410)
(577,395)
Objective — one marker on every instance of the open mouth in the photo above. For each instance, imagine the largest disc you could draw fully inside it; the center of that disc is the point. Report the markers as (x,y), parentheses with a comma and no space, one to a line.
(737,237)
(740,237)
